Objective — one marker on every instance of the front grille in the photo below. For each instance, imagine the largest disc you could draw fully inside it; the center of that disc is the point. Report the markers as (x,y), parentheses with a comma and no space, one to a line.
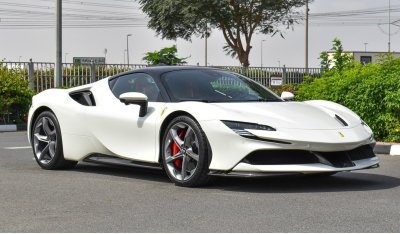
(338,159)
(280,157)
(362,152)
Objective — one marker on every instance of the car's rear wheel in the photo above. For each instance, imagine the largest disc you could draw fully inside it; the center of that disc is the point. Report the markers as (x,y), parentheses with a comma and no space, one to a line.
(185,152)
(47,143)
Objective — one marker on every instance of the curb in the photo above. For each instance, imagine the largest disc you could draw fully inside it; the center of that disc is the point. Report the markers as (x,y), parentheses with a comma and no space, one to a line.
(387,148)
(13,127)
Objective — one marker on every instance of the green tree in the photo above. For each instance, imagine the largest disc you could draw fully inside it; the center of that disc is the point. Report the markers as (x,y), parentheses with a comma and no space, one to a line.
(237,19)
(325,61)
(229,51)
(166,56)
(340,60)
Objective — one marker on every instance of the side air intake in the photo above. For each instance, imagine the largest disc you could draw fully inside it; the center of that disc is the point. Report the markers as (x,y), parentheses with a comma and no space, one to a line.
(84,98)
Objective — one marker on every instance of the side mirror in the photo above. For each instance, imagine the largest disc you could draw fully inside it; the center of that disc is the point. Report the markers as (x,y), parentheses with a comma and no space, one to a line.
(137,99)
(287,96)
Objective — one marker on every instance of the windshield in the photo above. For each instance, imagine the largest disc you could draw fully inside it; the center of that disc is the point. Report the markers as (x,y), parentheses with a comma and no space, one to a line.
(214,86)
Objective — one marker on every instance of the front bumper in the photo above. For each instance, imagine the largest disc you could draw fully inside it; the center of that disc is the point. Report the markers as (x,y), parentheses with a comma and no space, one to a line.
(229,149)
(244,170)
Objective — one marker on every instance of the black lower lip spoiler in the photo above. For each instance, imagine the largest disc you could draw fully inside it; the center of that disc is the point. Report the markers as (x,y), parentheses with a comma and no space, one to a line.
(250,174)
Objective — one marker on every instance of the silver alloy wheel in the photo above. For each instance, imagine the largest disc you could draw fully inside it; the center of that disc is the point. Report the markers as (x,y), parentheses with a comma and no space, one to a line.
(182,136)
(45,140)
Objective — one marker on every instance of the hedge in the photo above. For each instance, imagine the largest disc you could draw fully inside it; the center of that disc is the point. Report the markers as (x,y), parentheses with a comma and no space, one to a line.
(15,96)
(372,91)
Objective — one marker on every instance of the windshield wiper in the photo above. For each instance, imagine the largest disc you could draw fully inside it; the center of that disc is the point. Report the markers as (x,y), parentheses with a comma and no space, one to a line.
(268,100)
(195,100)
(260,100)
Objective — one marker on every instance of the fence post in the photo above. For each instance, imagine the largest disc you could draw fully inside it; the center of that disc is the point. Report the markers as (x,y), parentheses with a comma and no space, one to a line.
(243,70)
(92,72)
(31,74)
(283,75)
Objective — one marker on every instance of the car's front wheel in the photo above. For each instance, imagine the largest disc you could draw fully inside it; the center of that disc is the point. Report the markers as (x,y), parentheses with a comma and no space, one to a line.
(47,143)
(185,152)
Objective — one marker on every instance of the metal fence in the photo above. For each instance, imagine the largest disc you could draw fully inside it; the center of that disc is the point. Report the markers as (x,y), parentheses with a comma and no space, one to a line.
(41,74)
(263,75)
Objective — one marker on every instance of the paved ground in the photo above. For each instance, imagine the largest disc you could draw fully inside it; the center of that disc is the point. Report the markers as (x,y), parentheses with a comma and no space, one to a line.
(106,199)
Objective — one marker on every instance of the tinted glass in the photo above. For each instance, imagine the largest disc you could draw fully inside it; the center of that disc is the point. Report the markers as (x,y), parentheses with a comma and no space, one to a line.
(137,82)
(214,86)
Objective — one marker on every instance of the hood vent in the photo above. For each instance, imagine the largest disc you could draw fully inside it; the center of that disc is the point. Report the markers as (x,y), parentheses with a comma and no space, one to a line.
(341,121)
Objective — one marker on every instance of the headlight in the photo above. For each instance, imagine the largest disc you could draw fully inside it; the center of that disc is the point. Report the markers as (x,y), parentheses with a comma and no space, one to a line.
(368,129)
(240,128)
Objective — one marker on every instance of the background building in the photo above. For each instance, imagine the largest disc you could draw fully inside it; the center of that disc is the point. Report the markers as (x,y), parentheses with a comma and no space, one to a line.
(365,57)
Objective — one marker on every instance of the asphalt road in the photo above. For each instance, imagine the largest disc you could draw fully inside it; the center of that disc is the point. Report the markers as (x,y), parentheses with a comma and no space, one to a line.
(95,198)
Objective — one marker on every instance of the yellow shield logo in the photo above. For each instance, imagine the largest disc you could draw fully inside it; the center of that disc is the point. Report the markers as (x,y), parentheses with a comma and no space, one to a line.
(341,134)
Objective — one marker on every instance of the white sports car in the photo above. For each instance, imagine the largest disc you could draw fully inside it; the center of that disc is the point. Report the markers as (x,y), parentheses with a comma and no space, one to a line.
(195,123)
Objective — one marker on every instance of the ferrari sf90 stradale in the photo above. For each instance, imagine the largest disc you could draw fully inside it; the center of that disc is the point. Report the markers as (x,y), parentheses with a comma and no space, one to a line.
(195,123)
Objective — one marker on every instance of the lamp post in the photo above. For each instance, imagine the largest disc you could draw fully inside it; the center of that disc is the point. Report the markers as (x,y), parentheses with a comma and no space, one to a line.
(306,38)
(262,52)
(124,56)
(365,46)
(65,57)
(206,46)
(105,55)
(205,50)
(58,65)
(389,26)
(127,47)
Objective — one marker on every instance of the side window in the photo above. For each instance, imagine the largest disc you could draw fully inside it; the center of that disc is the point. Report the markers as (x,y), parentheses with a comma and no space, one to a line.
(137,82)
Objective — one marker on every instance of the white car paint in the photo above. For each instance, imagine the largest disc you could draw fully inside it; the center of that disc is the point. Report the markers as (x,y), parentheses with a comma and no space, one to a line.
(113,128)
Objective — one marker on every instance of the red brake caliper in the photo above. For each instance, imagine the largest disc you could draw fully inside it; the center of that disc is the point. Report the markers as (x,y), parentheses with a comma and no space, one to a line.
(175,150)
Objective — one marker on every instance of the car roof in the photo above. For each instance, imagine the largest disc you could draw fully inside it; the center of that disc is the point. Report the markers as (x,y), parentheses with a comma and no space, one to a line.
(158,70)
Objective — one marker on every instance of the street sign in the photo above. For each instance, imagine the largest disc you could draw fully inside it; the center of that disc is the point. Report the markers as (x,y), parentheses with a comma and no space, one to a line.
(276,81)
(88,60)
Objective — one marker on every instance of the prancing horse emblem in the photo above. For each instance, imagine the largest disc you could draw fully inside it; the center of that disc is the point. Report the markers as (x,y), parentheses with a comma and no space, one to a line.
(341,134)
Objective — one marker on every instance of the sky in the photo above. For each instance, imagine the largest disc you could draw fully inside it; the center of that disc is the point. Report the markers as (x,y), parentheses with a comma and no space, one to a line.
(27,31)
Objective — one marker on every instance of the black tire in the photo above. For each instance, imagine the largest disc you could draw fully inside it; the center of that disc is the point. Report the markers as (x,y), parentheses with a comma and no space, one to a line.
(322,175)
(199,175)
(51,159)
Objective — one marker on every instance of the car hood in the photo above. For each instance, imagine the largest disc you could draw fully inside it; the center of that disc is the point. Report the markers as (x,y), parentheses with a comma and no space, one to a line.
(293,115)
